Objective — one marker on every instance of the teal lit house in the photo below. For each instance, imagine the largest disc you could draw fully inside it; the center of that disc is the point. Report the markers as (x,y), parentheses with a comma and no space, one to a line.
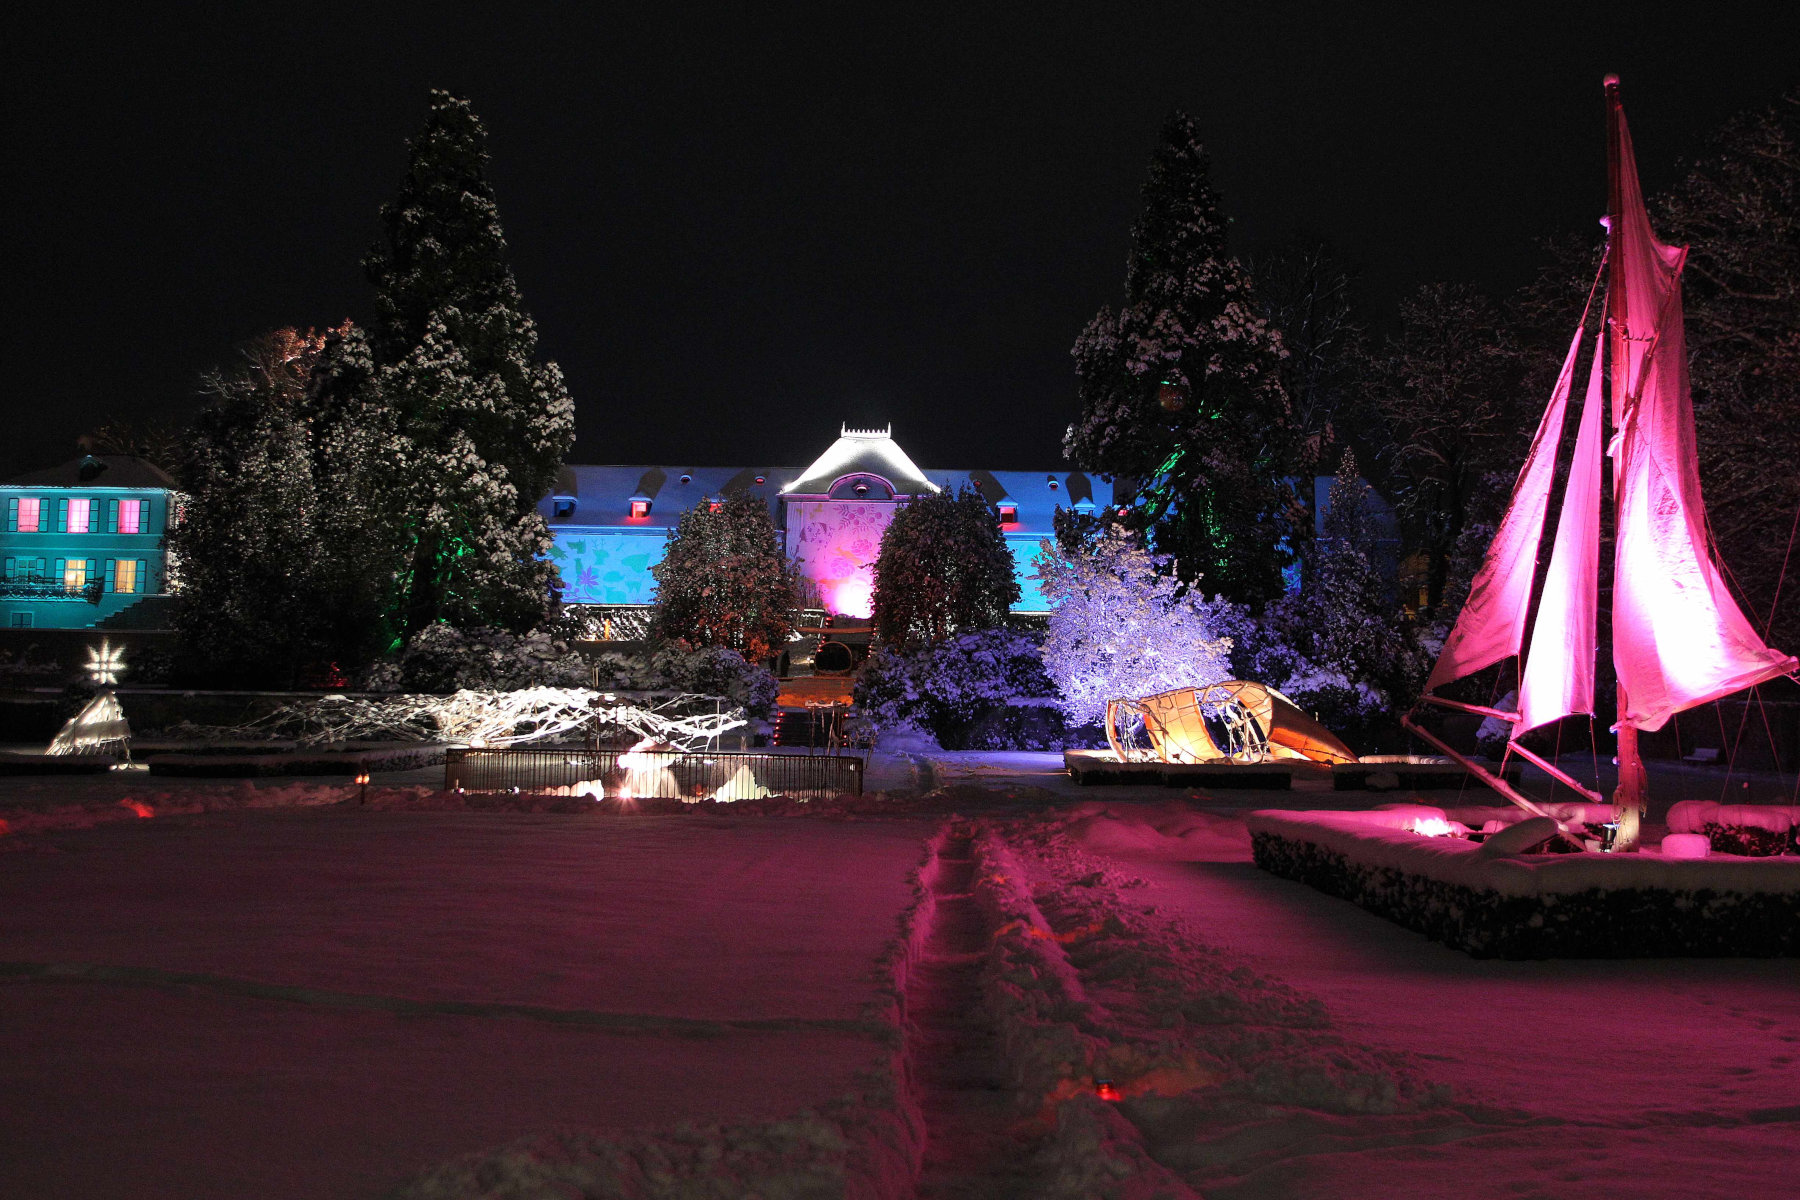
(82,546)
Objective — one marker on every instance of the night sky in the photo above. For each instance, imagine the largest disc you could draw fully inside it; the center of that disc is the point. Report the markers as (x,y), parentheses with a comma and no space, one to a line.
(736,233)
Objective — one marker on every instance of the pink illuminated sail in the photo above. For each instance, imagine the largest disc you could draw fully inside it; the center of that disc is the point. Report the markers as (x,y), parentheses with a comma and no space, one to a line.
(1491,625)
(1559,668)
(1679,639)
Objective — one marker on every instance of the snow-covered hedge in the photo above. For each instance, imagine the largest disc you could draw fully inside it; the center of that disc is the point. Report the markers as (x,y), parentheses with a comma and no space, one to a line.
(985,690)
(678,667)
(1536,906)
(442,658)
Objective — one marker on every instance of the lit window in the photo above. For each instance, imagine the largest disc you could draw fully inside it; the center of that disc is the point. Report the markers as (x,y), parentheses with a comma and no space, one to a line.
(132,516)
(125,575)
(640,508)
(31,515)
(81,516)
(714,505)
(75,574)
(1009,514)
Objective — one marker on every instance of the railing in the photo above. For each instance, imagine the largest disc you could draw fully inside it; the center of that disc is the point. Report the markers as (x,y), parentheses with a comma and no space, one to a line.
(672,774)
(50,589)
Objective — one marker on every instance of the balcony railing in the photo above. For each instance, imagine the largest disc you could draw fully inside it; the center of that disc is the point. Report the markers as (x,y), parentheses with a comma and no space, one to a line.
(50,589)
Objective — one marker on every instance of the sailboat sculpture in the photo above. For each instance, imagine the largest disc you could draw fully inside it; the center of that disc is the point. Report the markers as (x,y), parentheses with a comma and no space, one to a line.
(1679,638)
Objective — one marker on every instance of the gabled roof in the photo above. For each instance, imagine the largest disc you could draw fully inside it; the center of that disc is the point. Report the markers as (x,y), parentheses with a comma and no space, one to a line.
(862,452)
(98,471)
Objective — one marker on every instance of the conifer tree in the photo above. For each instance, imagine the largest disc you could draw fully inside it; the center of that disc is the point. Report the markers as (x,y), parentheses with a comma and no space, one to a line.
(1181,395)
(723,580)
(481,424)
(943,568)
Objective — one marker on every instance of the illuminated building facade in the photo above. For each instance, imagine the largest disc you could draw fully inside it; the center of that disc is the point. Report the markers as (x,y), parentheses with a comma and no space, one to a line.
(611,522)
(82,545)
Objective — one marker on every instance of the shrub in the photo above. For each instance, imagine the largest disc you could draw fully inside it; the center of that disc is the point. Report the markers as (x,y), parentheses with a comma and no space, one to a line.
(973,691)
(443,658)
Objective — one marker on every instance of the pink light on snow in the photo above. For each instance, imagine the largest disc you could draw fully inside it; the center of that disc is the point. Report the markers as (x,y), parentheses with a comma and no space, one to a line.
(855,597)
(1685,845)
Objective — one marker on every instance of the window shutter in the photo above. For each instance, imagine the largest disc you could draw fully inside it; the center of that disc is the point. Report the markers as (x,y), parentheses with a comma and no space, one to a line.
(62,516)
(11,566)
(143,576)
(143,516)
(111,573)
(112,516)
(61,568)
(41,564)
(12,515)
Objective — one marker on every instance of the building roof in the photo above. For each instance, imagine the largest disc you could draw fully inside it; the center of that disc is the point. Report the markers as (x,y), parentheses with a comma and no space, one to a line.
(862,452)
(97,471)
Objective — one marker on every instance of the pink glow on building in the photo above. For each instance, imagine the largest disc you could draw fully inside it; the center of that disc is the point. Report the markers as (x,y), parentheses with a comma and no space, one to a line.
(854,597)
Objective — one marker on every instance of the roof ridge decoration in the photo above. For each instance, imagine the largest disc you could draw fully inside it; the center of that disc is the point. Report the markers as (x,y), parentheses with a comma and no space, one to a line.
(862,452)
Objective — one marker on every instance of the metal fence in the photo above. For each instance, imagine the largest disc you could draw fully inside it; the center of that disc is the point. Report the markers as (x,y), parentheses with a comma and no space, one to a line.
(674,774)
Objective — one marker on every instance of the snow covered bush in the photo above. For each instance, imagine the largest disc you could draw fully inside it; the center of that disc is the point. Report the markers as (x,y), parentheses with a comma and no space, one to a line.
(443,658)
(678,667)
(1341,646)
(1121,624)
(961,691)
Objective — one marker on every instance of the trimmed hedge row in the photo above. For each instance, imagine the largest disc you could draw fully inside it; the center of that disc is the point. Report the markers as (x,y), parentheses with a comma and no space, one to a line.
(1595,923)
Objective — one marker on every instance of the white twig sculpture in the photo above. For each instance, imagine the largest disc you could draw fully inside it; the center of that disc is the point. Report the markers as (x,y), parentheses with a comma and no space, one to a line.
(472,718)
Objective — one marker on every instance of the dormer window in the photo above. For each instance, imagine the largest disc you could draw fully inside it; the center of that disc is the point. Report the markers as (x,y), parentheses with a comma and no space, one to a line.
(1009,514)
(562,508)
(640,509)
(714,505)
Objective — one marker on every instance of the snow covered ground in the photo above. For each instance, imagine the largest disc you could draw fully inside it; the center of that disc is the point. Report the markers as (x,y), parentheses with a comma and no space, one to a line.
(1639,1078)
(320,1003)
(329,1001)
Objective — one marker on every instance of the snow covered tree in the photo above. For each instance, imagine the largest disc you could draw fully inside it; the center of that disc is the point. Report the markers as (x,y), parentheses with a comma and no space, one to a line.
(362,522)
(1739,210)
(1181,394)
(1341,646)
(480,424)
(1446,386)
(248,544)
(1122,625)
(943,568)
(723,580)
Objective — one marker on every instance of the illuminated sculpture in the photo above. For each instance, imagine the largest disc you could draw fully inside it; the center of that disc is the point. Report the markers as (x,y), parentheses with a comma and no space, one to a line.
(99,728)
(1679,639)
(1235,721)
(473,718)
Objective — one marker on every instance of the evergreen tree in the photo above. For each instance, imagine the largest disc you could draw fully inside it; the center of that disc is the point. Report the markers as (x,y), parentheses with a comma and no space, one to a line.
(247,551)
(723,580)
(480,424)
(943,568)
(1181,395)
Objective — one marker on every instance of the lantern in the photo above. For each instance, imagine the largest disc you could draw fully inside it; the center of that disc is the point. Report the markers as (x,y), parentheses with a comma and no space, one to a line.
(1172,395)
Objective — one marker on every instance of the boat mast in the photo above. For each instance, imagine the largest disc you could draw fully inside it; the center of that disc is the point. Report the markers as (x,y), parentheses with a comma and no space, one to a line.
(1629,797)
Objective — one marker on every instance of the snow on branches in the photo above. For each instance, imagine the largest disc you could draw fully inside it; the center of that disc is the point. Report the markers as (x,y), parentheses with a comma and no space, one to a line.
(1121,625)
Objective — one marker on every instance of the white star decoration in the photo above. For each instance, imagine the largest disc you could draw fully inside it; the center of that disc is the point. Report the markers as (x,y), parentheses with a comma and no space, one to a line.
(106,662)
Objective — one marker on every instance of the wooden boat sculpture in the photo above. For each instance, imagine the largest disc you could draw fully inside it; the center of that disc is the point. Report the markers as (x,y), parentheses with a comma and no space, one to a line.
(1237,721)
